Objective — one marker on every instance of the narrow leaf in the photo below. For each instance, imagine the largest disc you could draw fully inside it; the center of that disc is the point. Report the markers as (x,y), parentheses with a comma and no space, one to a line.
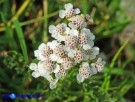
(21,39)
(9,33)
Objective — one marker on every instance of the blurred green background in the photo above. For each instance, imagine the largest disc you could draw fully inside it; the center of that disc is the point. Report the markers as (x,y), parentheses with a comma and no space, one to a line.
(24,25)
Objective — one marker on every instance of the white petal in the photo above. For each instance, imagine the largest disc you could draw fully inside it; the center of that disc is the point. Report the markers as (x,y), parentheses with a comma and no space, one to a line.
(41,68)
(85,64)
(35,74)
(71,53)
(54,35)
(33,66)
(36,53)
(59,60)
(68,6)
(91,43)
(86,46)
(92,37)
(43,72)
(84,24)
(80,78)
(56,70)
(67,49)
(86,57)
(53,83)
(52,86)
(99,60)
(62,13)
(92,56)
(73,32)
(64,25)
(95,50)
(72,25)
(49,44)
(93,71)
(40,63)
(57,75)
(52,28)
(41,57)
(93,65)
(86,31)
(60,38)
(91,20)
(48,77)
(103,62)
(67,30)
(53,57)
(41,46)
(77,11)
(53,44)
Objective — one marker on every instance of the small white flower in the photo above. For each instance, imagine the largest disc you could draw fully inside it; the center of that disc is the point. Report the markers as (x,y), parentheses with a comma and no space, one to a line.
(53,83)
(71,41)
(92,53)
(79,56)
(34,67)
(74,32)
(77,22)
(98,65)
(56,58)
(43,52)
(53,44)
(86,39)
(69,11)
(71,52)
(67,63)
(48,77)
(58,53)
(60,73)
(46,67)
(84,72)
(88,33)
(57,68)
(93,71)
(88,18)
(59,32)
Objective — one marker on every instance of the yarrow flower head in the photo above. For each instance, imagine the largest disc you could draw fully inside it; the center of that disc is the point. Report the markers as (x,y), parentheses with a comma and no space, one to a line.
(43,52)
(59,32)
(73,46)
(84,72)
(69,11)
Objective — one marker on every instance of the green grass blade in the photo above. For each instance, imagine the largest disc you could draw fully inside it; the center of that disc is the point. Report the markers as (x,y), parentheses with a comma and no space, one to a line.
(45,37)
(9,33)
(127,86)
(107,78)
(21,39)
(85,6)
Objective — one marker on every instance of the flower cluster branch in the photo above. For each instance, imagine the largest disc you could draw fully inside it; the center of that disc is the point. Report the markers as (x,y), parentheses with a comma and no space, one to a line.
(73,45)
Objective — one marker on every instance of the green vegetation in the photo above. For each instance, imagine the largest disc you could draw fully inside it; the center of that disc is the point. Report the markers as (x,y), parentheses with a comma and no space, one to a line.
(24,25)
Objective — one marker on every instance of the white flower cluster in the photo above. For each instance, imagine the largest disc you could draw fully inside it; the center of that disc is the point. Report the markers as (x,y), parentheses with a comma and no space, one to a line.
(73,45)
